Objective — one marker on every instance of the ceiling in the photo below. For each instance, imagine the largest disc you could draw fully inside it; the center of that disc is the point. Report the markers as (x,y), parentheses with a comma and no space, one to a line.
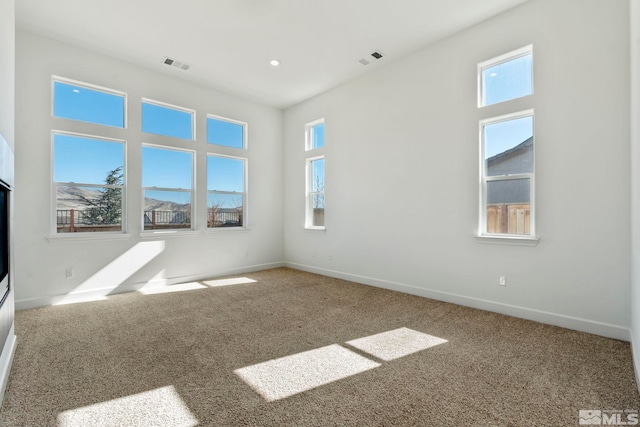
(229,43)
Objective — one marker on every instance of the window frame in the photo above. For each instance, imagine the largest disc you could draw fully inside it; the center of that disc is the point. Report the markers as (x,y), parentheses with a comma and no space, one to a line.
(501,59)
(308,129)
(170,107)
(245,131)
(93,87)
(192,191)
(309,193)
(244,193)
(484,178)
(56,184)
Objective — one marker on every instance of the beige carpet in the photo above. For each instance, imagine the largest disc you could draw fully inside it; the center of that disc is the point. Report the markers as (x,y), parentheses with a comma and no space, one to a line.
(294,348)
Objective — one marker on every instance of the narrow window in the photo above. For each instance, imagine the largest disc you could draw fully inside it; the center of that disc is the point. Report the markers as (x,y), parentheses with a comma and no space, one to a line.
(506,77)
(167,181)
(226,132)
(315,193)
(88,180)
(315,134)
(226,193)
(87,103)
(507,175)
(167,120)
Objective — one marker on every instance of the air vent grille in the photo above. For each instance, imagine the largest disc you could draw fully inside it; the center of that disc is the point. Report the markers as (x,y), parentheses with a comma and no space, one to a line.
(373,56)
(177,64)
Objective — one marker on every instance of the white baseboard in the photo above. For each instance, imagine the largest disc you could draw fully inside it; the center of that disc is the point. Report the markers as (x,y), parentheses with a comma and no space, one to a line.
(569,322)
(6,360)
(103,293)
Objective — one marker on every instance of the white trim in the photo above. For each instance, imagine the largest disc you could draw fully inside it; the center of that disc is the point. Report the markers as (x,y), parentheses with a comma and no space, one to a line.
(569,322)
(29,303)
(245,131)
(507,239)
(76,237)
(6,360)
(170,107)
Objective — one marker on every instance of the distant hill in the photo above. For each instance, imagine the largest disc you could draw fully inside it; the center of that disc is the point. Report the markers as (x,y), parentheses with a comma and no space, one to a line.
(70,198)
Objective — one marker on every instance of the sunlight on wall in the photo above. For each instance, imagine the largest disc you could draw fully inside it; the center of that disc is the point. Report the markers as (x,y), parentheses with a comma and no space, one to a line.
(111,276)
(395,344)
(161,407)
(290,375)
(286,376)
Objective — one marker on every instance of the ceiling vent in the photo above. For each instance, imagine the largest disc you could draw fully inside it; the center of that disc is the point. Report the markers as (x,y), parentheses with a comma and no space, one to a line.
(373,56)
(177,64)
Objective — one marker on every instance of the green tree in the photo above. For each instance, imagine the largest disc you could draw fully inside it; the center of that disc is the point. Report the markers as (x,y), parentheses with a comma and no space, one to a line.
(105,208)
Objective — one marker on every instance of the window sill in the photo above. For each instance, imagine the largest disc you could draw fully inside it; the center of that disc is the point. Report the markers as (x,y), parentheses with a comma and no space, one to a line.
(81,237)
(168,233)
(214,230)
(315,229)
(508,240)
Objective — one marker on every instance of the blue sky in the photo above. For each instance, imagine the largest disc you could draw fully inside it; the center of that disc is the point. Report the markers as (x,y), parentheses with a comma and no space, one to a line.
(88,161)
(502,136)
(508,80)
(317,136)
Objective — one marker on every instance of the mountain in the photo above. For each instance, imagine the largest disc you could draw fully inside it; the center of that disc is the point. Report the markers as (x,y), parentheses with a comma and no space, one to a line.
(71,198)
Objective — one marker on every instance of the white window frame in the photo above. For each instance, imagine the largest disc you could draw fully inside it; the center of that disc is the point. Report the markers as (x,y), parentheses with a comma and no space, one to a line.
(244,192)
(93,87)
(309,193)
(56,184)
(309,134)
(171,107)
(484,179)
(501,59)
(245,132)
(192,191)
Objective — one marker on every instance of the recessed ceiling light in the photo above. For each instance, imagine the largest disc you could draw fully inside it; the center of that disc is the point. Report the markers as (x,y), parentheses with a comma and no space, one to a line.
(274,62)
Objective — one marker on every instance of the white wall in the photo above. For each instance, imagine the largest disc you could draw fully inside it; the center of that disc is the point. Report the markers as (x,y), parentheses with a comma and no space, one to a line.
(7,89)
(402,172)
(635,183)
(41,262)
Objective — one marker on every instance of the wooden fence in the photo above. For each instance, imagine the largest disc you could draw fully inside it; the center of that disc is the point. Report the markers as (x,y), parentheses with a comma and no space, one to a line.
(508,219)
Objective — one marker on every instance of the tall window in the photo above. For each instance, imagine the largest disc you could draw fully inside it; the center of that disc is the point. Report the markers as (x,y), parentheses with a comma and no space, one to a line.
(226,132)
(167,181)
(226,194)
(507,148)
(314,166)
(88,180)
(88,170)
(167,120)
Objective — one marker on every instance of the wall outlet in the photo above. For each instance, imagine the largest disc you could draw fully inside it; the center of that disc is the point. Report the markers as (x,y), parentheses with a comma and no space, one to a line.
(502,281)
(69,273)
(330,256)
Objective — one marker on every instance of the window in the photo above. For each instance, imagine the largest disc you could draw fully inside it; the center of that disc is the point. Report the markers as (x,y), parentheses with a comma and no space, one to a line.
(315,135)
(87,103)
(315,193)
(167,120)
(88,181)
(506,77)
(225,132)
(225,191)
(314,167)
(507,174)
(167,181)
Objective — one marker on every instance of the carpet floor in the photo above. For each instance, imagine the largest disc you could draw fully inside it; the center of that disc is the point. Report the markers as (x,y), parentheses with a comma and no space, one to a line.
(288,348)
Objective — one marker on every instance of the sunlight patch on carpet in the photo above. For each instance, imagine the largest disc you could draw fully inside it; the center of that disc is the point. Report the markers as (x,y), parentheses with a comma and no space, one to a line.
(152,290)
(161,407)
(395,344)
(229,282)
(290,375)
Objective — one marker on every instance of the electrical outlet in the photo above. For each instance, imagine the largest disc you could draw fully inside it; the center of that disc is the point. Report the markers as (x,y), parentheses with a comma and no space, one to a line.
(330,256)
(68,273)
(503,281)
